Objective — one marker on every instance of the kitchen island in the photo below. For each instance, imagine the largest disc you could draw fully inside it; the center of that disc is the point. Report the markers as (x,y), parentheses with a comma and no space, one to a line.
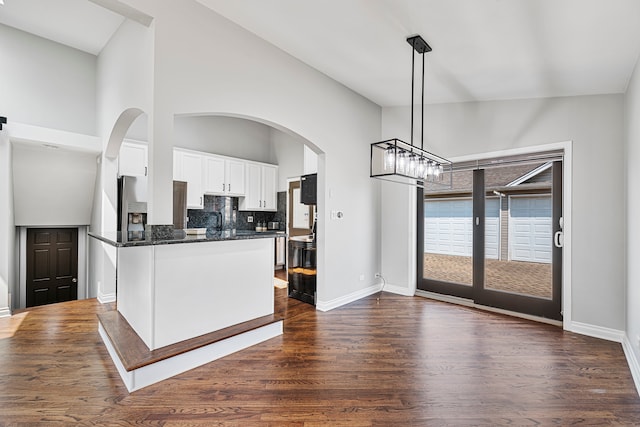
(173,290)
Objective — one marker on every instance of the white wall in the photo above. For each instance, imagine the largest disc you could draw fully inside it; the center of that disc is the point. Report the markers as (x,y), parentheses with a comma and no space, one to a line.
(632,155)
(288,154)
(8,283)
(124,81)
(204,64)
(595,124)
(46,84)
(228,136)
(52,187)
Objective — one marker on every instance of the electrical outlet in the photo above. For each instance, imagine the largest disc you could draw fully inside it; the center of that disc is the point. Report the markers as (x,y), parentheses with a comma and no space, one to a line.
(249,219)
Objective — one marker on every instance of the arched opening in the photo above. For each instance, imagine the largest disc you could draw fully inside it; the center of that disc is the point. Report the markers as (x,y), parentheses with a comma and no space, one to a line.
(258,140)
(106,202)
(120,129)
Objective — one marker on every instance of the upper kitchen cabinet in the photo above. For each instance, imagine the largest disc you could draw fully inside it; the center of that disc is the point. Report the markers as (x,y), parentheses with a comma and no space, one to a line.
(261,189)
(132,159)
(188,166)
(224,176)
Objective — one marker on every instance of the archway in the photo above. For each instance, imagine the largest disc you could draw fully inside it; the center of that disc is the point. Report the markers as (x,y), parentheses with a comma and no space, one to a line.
(214,133)
(119,131)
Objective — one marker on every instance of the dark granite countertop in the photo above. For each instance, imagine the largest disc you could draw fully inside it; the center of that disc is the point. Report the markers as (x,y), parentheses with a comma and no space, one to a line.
(120,240)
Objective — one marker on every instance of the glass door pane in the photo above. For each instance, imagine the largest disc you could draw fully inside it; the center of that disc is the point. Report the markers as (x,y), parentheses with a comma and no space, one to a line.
(447,234)
(495,237)
(448,240)
(518,232)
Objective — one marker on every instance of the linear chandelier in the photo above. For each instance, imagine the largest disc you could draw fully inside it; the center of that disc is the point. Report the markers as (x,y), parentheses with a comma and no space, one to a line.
(398,161)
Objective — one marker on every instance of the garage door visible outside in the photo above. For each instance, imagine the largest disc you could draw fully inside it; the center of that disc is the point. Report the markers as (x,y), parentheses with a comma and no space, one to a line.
(530,237)
(448,227)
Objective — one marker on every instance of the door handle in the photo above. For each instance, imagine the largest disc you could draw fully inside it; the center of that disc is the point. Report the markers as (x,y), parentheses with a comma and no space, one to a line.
(558,239)
(74,280)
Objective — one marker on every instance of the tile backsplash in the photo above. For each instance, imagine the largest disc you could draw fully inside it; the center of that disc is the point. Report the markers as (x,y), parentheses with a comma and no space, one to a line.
(221,213)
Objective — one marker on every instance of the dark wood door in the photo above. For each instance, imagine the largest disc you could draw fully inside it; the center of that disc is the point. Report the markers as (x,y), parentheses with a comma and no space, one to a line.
(52,265)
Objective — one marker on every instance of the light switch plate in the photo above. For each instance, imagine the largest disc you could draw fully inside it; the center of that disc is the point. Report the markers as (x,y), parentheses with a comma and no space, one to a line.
(249,219)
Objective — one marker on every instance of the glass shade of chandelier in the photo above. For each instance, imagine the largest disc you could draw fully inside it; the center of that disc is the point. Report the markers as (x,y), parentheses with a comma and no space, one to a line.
(399,161)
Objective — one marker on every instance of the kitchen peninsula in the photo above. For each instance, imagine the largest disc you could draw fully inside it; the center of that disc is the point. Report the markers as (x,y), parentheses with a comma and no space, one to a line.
(173,290)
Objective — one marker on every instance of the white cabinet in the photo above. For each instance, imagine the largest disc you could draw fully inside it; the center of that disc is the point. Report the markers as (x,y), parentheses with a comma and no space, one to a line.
(235,177)
(132,159)
(188,166)
(260,188)
(224,176)
(269,183)
(254,183)
(253,195)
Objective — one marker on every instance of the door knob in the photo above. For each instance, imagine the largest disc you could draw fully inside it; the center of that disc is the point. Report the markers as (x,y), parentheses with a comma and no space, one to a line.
(74,280)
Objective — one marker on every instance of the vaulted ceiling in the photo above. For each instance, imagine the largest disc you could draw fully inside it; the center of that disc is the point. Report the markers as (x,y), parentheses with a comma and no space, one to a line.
(482,49)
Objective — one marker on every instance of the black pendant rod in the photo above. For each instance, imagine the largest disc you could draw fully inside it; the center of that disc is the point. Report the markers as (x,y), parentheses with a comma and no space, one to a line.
(422,125)
(419,45)
(413,56)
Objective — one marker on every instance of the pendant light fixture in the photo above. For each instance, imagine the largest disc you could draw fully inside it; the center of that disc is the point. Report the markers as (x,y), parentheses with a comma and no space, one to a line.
(398,161)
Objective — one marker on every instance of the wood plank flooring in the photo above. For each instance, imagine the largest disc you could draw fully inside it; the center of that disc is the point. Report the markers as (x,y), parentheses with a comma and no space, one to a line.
(400,361)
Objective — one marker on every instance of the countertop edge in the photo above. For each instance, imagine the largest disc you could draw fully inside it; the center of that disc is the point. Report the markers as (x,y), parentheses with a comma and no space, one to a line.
(187,239)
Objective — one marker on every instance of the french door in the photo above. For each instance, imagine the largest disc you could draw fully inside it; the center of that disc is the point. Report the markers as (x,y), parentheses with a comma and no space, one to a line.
(495,237)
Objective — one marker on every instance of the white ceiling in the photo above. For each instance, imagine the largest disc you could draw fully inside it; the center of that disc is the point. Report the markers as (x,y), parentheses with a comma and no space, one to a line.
(77,23)
(482,49)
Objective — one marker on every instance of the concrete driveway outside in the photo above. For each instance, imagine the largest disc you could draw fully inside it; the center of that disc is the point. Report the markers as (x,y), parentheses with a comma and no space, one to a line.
(528,278)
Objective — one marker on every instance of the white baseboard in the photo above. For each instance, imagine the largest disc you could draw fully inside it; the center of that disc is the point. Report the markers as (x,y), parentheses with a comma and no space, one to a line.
(5,312)
(106,298)
(354,296)
(608,334)
(398,290)
(632,361)
(167,368)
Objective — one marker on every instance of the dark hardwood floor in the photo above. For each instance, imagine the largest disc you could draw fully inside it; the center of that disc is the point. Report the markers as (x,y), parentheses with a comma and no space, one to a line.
(399,361)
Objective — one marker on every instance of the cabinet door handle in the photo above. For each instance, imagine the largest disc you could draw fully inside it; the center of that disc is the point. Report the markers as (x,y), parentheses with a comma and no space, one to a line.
(200,199)
(145,171)
(229,189)
(223,186)
(260,203)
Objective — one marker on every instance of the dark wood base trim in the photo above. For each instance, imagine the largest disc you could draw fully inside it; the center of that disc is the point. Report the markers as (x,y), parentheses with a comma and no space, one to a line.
(134,353)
